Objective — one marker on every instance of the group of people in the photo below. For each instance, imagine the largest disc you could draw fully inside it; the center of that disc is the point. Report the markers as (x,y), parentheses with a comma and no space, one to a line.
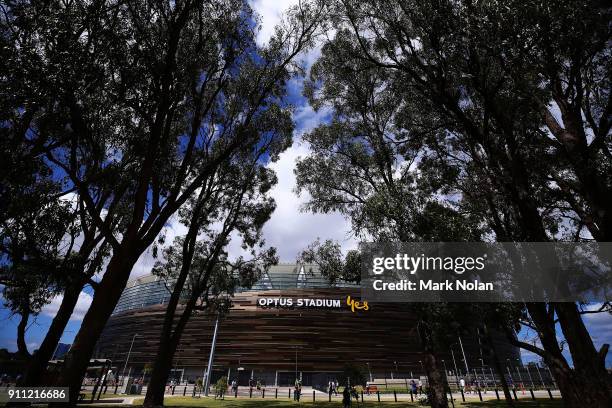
(416,388)
(348,394)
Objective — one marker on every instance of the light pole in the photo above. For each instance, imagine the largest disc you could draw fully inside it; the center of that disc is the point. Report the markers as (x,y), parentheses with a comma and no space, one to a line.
(454,361)
(519,372)
(211,357)
(540,375)
(467,370)
(484,376)
(128,357)
(529,374)
(551,376)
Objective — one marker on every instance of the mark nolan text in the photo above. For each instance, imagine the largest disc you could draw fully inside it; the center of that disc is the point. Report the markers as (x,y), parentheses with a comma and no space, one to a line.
(431,285)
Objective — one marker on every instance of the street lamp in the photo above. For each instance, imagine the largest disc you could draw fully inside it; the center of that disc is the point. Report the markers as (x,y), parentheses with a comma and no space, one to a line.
(128,357)
(482,365)
(454,361)
(296,377)
(467,370)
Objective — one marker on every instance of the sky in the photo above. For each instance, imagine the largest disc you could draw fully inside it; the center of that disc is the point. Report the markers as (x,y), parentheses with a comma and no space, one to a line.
(289,229)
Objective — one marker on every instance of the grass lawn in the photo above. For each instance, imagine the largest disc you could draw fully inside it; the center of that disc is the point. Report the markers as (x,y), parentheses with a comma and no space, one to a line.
(252,403)
(103,396)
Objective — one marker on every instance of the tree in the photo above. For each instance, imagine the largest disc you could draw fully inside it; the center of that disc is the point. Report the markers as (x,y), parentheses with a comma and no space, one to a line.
(197,269)
(360,166)
(353,375)
(47,244)
(150,99)
(327,256)
(449,67)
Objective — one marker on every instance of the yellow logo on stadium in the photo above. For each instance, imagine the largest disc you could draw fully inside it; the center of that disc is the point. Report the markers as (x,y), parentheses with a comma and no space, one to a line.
(356,304)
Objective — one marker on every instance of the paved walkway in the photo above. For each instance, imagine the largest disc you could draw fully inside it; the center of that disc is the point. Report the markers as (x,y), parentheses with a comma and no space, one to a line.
(307,395)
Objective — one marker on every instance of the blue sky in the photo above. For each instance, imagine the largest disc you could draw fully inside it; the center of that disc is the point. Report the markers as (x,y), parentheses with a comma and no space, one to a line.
(289,230)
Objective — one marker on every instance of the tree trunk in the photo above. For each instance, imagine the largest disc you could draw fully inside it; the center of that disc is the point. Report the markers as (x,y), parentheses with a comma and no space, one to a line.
(22,347)
(159,374)
(570,385)
(104,301)
(165,354)
(436,390)
(589,364)
(498,366)
(38,364)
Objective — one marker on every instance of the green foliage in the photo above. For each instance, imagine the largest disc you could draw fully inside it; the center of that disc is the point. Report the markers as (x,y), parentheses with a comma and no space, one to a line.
(354,375)
(221,385)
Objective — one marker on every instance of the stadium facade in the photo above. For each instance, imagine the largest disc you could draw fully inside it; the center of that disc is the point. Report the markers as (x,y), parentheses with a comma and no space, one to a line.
(291,323)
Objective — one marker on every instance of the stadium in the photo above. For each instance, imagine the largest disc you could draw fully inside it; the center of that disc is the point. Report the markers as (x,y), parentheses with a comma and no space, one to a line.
(292,323)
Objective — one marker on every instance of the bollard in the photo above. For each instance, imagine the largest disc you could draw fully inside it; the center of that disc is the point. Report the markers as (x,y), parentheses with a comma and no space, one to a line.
(497,394)
(395,395)
(479,394)
(514,392)
(184,391)
(549,393)
(411,396)
(378,395)
(250,392)
(330,397)
(289,393)
(173,390)
(116,387)
(263,393)
(362,397)
(532,395)
(235,392)
(462,396)
(276,393)
(313,396)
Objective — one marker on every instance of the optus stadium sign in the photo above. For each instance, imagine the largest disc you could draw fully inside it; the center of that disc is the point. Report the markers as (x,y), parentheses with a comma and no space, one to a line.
(312,303)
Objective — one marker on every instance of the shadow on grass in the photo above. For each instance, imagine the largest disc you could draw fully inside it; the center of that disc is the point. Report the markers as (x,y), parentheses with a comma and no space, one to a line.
(540,403)
(258,403)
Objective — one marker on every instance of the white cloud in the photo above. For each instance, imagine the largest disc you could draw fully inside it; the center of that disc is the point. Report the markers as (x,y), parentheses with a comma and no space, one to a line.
(79,310)
(289,229)
(270,13)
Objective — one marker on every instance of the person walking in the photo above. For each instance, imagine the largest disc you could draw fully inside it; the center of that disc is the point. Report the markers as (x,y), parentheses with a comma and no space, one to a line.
(413,387)
(462,384)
